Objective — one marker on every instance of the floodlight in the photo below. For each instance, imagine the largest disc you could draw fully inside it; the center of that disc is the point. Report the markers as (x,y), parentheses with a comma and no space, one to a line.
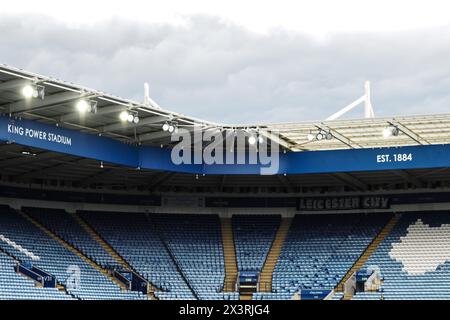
(124,116)
(33,91)
(82,106)
(390,131)
(320,136)
(260,139)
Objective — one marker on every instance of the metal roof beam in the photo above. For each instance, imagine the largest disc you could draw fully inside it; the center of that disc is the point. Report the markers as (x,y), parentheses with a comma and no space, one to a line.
(11,84)
(410,178)
(410,133)
(153,136)
(277,138)
(159,135)
(49,101)
(49,169)
(100,174)
(285,181)
(434,171)
(160,179)
(214,143)
(142,122)
(350,180)
(338,136)
(101,111)
(23,159)
(223,180)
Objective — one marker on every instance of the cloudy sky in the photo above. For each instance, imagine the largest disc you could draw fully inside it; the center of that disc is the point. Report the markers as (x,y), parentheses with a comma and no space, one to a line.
(241,61)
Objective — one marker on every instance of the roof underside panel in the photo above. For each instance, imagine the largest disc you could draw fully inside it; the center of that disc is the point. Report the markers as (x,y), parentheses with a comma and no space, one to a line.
(61,97)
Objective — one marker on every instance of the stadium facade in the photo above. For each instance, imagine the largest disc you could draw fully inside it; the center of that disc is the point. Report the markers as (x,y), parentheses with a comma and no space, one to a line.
(93,205)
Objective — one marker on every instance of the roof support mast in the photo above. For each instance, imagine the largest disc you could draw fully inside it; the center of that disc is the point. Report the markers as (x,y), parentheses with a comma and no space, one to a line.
(147,100)
(366,98)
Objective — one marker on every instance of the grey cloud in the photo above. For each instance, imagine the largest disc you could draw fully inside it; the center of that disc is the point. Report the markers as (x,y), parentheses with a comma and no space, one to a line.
(212,69)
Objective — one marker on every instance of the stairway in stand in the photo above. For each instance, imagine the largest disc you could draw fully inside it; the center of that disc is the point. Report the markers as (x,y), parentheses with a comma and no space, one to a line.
(121,261)
(231,270)
(107,247)
(368,253)
(71,248)
(266,275)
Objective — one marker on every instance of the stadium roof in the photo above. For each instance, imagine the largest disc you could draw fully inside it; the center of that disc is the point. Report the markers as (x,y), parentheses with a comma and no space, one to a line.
(22,164)
(58,107)
(367,133)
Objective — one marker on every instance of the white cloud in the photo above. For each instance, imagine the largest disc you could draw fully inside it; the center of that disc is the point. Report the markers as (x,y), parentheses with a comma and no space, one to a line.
(220,71)
(423,249)
(319,17)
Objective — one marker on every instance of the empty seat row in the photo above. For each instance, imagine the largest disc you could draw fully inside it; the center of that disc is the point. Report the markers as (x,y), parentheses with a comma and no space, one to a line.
(253,237)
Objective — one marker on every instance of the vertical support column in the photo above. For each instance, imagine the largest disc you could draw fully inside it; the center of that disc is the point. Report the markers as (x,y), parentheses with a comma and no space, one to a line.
(368,110)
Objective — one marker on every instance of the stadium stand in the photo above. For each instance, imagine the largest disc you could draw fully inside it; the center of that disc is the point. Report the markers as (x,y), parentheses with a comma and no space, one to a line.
(253,238)
(413,259)
(360,263)
(266,276)
(196,243)
(17,287)
(135,239)
(319,250)
(182,254)
(58,260)
(329,213)
(61,223)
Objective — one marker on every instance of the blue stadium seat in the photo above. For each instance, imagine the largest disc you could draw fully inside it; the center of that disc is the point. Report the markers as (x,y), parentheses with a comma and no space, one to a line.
(57,260)
(183,254)
(405,275)
(253,237)
(196,243)
(65,226)
(14,286)
(320,249)
(134,238)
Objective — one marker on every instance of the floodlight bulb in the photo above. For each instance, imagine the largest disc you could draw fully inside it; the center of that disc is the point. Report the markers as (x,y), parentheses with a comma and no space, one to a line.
(82,106)
(123,116)
(387,132)
(28,91)
(319,136)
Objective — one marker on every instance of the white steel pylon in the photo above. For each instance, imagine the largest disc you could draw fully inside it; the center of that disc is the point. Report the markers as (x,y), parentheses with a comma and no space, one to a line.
(147,100)
(366,98)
